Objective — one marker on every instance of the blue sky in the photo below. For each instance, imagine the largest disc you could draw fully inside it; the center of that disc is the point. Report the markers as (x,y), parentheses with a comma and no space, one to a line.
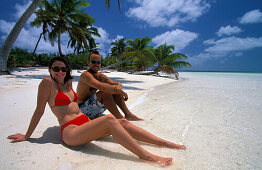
(216,35)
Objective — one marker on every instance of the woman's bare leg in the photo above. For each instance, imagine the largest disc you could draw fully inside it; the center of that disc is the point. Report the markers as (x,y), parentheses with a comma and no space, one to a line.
(144,136)
(77,135)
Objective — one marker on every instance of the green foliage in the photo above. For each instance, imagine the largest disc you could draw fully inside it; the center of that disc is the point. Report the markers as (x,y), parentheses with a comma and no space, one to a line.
(66,16)
(22,57)
(131,55)
(167,60)
(19,57)
(141,52)
(78,61)
(11,62)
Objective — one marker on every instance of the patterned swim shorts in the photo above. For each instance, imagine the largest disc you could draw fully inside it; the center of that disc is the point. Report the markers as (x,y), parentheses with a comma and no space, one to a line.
(93,108)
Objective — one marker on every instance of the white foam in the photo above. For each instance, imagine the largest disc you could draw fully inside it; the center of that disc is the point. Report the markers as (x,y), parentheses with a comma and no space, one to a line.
(140,99)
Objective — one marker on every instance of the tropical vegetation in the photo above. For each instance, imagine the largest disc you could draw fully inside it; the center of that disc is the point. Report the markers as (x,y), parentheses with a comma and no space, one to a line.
(66,16)
(12,36)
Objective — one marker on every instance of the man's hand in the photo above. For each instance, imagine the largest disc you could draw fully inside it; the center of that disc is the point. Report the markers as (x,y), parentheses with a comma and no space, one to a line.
(125,96)
(17,137)
(119,86)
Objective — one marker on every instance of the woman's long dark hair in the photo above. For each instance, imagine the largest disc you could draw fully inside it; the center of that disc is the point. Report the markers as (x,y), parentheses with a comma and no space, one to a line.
(62,59)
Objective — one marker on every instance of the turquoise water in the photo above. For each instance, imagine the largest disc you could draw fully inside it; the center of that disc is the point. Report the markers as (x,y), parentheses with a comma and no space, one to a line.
(217,115)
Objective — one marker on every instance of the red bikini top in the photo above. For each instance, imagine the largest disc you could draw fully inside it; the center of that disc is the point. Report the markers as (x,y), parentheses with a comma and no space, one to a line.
(62,99)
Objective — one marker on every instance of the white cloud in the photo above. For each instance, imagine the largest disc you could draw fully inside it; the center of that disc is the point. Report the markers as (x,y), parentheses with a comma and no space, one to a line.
(209,42)
(179,38)
(20,9)
(226,47)
(254,16)
(118,37)
(28,37)
(5,27)
(239,54)
(234,44)
(103,42)
(168,12)
(228,30)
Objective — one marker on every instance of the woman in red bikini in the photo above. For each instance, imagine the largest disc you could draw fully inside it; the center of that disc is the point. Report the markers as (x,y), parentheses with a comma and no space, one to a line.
(76,128)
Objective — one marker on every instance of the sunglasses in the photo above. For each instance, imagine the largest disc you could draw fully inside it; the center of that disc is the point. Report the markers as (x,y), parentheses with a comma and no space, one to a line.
(95,62)
(57,69)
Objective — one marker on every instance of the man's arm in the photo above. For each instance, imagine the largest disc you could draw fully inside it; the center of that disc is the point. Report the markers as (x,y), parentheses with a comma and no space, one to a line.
(88,79)
(106,79)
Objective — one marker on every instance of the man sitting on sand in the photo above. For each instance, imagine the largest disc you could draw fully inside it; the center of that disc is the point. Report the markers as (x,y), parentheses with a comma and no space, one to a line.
(109,96)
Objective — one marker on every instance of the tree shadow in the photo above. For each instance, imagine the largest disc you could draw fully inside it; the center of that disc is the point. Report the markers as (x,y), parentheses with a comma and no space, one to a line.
(124,81)
(29,76)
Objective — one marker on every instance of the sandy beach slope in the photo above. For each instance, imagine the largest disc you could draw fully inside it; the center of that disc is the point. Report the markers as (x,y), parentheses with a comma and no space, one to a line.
(45,149)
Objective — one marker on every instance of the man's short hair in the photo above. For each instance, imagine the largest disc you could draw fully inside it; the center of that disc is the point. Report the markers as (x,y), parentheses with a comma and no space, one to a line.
(93,52)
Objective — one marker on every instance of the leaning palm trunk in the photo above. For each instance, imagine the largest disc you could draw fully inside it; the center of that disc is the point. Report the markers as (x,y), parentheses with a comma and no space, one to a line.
(11,38)
(166,69)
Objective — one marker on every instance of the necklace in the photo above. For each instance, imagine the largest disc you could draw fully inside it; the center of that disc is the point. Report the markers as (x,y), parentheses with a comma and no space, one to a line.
(62,86)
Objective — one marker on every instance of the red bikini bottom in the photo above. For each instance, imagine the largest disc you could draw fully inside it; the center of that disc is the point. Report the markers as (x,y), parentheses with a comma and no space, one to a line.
(77,121)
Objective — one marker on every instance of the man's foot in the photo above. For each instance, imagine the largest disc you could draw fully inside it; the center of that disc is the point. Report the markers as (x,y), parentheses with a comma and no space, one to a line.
(161,161)
(132,117)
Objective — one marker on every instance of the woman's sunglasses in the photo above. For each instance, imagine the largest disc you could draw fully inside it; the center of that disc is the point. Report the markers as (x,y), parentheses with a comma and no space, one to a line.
(57,69)
(95,62)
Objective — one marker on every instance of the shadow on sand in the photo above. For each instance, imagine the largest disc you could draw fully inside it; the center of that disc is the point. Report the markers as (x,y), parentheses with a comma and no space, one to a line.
(75,78)
(93,149)
(52,135)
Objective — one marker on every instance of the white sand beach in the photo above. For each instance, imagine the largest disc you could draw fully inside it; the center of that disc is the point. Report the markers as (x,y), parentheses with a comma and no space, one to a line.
(45,149)
(216,115)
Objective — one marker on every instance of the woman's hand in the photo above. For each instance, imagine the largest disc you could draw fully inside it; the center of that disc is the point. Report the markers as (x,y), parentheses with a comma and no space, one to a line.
(17,137)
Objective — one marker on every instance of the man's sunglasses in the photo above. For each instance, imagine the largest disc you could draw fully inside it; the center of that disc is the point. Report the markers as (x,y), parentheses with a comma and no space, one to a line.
(57,69)
(95,62)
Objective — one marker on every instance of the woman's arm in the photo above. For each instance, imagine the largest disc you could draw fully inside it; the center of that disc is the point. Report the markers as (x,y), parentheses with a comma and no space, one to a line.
(44,90)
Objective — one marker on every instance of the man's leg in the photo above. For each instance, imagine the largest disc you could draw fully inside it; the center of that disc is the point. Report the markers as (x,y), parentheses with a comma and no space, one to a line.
(109,102)
(122,105)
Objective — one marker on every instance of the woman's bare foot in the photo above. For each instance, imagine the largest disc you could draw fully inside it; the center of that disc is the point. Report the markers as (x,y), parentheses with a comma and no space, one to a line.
(177,146)
(161,161)
(132,117)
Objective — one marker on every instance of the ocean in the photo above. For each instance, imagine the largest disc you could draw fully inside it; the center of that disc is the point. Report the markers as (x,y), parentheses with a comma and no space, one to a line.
(217,115)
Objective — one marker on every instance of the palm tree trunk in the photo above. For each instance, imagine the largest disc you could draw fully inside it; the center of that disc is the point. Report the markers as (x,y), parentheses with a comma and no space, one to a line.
(37,43)
(11,38)
(59,44)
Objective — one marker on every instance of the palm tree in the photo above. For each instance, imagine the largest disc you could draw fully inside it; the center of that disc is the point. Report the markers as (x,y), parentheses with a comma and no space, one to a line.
(44,19)
(68,18)
(11,38)
(78,41)
(117,50)
(166,60)
(141,52)
(108,5)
